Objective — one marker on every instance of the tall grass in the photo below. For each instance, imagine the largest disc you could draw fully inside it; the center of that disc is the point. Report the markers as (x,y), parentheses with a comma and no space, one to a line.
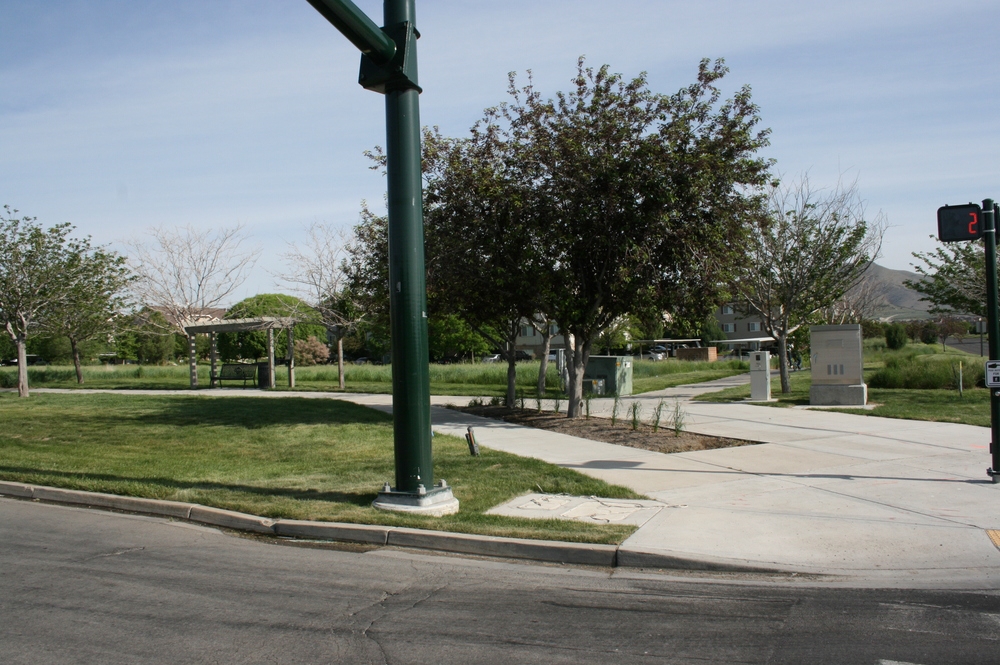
(478,374)
(647,368)
(927,372)
(472,374)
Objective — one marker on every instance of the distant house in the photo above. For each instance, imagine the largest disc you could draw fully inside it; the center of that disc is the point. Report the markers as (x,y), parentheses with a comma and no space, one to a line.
(198,316)
(743,331)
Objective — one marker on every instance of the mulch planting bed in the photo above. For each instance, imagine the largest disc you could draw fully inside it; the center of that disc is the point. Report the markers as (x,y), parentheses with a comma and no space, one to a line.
(663,440)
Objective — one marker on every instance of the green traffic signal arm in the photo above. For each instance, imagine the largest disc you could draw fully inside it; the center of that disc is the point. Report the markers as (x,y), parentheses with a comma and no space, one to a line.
(358,28)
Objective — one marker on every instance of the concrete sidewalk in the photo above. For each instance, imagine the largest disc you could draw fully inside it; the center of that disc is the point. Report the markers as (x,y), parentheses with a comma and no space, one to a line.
(903,501)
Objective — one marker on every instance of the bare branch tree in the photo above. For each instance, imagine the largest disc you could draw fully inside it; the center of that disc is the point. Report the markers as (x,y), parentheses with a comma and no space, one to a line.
(184,271)
(316,271)
(808,250)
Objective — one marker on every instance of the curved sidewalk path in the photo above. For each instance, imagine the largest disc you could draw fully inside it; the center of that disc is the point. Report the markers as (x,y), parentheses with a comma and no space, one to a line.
(898,501)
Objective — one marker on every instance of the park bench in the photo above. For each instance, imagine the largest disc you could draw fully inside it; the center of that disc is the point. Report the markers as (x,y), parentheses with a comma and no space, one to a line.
(237,372)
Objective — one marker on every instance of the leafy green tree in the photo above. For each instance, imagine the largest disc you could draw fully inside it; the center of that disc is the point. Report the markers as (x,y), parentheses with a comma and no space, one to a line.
(807,249)
(253,344)
(485,255)
(41,272)
(96,300)
(641,198)
(953,278)
(450,337)
(367,267)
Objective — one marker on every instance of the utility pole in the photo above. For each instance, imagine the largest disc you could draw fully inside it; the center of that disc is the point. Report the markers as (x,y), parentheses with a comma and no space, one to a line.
(993,319)
(389,67)
(971,222)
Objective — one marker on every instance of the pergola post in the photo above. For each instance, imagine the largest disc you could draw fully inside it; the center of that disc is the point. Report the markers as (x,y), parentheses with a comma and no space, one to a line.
(193,360)
(213,354)
(291,358)
(270,357)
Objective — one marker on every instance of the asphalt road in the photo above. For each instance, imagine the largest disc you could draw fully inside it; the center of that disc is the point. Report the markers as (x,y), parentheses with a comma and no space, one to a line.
(83,586)
(971,345)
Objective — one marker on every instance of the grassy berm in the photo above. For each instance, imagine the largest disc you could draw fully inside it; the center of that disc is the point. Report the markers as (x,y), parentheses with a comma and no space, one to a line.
(297,458)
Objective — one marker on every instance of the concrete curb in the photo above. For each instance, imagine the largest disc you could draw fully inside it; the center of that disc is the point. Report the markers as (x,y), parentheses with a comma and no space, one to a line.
(510,548)
(550,551)
(629,558)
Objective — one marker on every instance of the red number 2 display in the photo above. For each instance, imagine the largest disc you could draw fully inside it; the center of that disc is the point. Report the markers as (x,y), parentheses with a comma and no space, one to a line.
(959,223)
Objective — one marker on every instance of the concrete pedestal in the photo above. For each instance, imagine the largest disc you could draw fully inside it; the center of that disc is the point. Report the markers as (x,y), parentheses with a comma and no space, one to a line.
(856,395)
(437,502)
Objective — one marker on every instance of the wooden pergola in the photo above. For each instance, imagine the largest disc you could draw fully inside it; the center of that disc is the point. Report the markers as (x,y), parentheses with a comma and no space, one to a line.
(268,323)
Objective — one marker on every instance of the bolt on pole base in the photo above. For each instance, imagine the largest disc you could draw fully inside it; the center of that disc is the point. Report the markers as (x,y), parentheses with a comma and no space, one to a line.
(437,502)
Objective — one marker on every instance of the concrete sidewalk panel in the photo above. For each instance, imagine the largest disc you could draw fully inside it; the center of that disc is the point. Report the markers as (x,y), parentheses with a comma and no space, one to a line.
(113,501)
(770,458)
(352,533)
(231,519)
(870,448)
(797,542)
(16,489)
(512,548)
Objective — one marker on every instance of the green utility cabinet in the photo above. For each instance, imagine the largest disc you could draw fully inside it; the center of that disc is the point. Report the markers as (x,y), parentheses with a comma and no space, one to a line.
(608,375)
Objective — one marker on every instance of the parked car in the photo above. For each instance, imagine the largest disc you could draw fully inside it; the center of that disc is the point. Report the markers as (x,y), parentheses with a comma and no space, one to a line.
(495,358)
(658,352)
(29,361)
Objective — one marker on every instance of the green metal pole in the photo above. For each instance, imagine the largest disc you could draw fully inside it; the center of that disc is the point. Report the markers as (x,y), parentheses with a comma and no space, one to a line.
(993,321)
(411,402)
(357,27)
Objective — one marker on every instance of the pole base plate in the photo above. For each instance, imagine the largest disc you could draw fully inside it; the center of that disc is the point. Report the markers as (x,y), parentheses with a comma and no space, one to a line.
(438,502)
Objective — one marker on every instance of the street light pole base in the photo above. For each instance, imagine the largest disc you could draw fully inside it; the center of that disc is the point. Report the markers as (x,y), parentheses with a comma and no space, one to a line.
(436,503)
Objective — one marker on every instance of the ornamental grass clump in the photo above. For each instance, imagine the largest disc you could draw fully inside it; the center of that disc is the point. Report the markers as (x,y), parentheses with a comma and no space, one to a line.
(635,411)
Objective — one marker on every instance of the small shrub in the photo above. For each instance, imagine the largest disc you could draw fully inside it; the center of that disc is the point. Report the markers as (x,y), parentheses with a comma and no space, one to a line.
(634,412)
(311,352)
(658,415)
(614,409)
(496,400)
(557,403)
(895,336)
(586,404)
(476,401)
(677,418)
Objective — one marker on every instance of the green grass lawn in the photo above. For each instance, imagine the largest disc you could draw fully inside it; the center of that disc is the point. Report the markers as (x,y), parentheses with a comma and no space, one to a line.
(923,361)
(481,379)
(292,458)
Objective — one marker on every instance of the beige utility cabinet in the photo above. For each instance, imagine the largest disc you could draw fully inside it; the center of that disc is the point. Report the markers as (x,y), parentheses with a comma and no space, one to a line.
(837,366)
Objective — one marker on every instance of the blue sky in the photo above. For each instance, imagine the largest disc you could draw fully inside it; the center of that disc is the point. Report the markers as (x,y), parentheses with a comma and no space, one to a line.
(118,116)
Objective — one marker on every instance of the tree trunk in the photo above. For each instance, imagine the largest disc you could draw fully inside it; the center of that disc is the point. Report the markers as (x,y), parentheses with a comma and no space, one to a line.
(576,363)
(513,327)
(783,362)
(511,379)
(76,359)
(543,365)
(340,362)
(22,367)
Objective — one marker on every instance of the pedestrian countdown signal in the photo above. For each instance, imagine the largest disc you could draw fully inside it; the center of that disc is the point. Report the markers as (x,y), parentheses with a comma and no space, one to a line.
(964,222)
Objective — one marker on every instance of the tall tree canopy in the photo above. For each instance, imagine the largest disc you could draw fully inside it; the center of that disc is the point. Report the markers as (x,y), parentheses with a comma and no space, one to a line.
(486,259)
(45,273)
(641,199)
